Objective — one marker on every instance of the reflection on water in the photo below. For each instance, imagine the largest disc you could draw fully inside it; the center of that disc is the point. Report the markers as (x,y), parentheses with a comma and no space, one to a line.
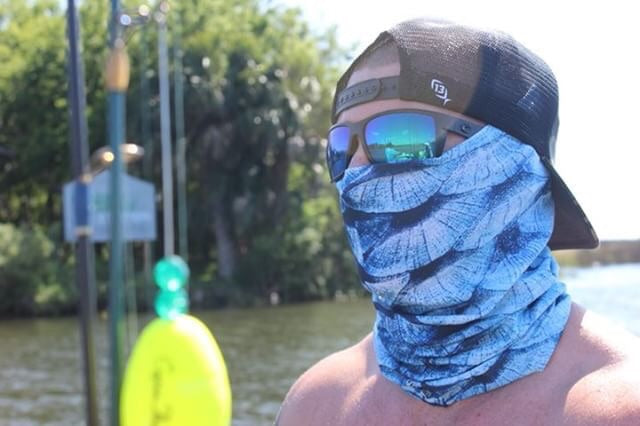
(265,349)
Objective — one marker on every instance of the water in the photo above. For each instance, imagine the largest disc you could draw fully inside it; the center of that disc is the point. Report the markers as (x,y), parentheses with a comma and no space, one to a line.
(612,291)
(266,349)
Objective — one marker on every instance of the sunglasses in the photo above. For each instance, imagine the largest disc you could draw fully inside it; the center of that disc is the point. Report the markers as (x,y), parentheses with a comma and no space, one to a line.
(393,137)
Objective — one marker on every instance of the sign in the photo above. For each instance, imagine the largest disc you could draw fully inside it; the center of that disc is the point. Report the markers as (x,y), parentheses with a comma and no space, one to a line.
(138,209)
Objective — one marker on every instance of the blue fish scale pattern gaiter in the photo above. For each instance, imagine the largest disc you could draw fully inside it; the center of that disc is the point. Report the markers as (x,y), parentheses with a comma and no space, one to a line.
(454,252)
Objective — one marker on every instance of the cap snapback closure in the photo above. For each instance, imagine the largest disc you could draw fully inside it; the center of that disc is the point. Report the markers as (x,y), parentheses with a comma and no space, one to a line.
(366,91)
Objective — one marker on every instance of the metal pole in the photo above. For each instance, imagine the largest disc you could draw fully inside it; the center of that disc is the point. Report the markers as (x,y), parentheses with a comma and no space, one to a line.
(145,132)
(145,121)
(117,82)
(165,134)
(116,276)
(85,279)
(181,147)
(132,302)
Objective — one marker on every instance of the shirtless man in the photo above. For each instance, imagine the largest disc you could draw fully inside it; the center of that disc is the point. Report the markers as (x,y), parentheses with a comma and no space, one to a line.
(472,325)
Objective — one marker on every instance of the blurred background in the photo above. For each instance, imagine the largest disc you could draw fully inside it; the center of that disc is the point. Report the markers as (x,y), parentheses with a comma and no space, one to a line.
(271,274)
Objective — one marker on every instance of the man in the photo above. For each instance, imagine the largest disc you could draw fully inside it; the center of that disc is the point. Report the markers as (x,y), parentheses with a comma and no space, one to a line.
(441,152)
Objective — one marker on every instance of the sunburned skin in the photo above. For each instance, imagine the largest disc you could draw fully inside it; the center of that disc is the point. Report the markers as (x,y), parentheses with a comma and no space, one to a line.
(592,378)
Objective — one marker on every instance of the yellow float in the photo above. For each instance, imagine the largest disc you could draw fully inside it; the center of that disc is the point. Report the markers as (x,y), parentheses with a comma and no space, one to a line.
(176,375)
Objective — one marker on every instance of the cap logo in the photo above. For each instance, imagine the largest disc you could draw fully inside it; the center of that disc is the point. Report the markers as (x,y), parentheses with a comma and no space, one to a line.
(440,91)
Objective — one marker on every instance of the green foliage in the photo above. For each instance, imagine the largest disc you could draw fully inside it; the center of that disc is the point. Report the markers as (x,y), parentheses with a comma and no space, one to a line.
(304,259)
(31,281)
(265,95)
(258,91)
(33,109)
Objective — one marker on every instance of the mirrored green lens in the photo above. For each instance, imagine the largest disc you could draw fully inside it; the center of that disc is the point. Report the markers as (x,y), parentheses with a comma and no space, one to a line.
(402,136)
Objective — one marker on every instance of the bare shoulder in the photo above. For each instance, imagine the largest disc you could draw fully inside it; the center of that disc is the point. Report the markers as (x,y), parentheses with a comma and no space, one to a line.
(608,396)
(609,391)
(317,396)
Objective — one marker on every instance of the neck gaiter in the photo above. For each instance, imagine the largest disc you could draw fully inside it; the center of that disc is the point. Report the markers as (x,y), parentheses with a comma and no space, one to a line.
(454,252)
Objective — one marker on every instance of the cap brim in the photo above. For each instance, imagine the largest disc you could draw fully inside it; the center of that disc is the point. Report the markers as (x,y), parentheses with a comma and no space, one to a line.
(571,229)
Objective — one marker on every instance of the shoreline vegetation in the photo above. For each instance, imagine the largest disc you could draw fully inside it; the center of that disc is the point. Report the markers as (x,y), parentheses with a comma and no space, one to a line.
(609,252)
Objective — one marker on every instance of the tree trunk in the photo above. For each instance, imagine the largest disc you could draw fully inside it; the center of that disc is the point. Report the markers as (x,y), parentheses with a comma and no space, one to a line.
(280,174)
(225,242)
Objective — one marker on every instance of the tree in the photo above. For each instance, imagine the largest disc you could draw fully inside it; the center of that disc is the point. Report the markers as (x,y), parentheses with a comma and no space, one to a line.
(258,100)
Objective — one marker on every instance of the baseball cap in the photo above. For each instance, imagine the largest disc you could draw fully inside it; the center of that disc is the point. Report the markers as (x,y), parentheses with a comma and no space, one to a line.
(486,75)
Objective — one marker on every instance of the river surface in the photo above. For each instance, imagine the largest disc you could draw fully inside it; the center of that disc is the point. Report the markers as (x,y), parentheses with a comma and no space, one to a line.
(265,349)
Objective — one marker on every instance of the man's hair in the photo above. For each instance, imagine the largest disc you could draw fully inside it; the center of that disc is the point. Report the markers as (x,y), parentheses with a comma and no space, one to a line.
(383,54)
